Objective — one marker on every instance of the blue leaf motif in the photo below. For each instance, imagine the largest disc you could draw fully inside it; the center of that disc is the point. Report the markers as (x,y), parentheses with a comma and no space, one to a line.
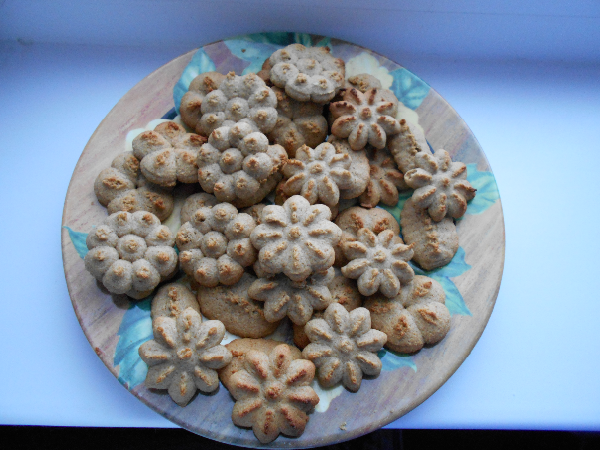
(454,299)
(409,89)
(256,53)
(135,329)
(395,211)
(78,239)
(487,189)
(200,63)
(454,268)
(391,360)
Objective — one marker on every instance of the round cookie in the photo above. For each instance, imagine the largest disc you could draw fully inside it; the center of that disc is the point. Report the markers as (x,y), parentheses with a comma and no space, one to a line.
(195,202)
(355,218)
(343,291)
(231,305)
(239,348)
(172,299)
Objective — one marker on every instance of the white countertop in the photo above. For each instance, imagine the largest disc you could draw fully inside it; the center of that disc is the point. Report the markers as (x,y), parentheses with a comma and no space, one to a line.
(536,365)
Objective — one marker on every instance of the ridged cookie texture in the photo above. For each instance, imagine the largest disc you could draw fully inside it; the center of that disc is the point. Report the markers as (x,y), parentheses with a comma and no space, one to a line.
(121,187)
(379,262)
(318,174)
(184,355)
(131,253)
(296,299)
(364,82)
(191,103)
(434,243)
(353,219)
(168,154)
(296,239)
(414,318)
(231,305)
(273,395)
(344,347)
(384,182)
(239,99)
(214,246)
(298,123)
(239,166)
(306,73)
(172,299)
(406,145)
(440,185)
(359,167)
(364,118)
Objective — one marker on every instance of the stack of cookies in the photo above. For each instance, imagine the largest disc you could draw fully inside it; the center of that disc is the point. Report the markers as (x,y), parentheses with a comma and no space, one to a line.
(292,163)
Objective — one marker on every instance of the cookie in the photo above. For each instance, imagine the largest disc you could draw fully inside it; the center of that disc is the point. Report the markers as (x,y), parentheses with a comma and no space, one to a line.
(184,355)
(384,182)
(195,202)
(168,154)
(405,146)
(298,123)
(296,239)
(306,73)
(131,253)
(414,318)
(379,262)
(440,185)
(172,299)
(296,299)
(343,291)
(121,187)
(239,99)
(359,167)
(239,166)
(344,347)
(191,103)
(240,347)
(318,174)
(363,118)
(434,243)
(355,218)
(214,247)
(231,305)
(273,395)
(254,211)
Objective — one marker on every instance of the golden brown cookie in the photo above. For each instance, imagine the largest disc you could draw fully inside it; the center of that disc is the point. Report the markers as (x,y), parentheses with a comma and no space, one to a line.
(231,305)
(195,202)
(405,146)
(385,180)
(191,103)
(434,243)
(172,299)
(416,317)
(240,347)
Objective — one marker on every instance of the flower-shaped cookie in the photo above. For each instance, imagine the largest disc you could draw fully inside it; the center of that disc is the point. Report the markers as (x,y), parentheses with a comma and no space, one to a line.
(272,394)
(191,103)
(239,99)
(359,167)
(296,299)
(306,73)
(379,262)
(343,346)
(168,154)
(237,165)
(364,118)
(385,180)
(215,246)
(440,185)
(296,238)
(318,174)
(298,123)
(417,316)
(122,188)
(131,253)
(184,355)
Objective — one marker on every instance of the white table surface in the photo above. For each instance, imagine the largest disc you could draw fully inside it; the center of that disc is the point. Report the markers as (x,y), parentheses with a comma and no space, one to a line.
(536,365)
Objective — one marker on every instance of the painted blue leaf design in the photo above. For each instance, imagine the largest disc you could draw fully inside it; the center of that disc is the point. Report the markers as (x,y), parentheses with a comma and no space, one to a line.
(409,89)
(78,239)
(396,210)
(454,268)
(200,63)
(391,360)
(487,189)
(280,39)
(256,53)
(135,329)
(454,300)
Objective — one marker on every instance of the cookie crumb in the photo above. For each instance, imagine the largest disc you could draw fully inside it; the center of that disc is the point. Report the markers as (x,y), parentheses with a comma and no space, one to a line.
(343,426)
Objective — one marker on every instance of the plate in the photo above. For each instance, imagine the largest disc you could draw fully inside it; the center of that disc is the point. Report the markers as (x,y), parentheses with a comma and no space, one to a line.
(116,326)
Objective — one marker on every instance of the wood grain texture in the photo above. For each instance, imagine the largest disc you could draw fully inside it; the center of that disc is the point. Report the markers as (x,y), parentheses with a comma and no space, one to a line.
(379,401)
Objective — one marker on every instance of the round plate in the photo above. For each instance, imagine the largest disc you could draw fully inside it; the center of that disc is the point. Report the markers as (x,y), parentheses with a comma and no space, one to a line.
(116,327)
